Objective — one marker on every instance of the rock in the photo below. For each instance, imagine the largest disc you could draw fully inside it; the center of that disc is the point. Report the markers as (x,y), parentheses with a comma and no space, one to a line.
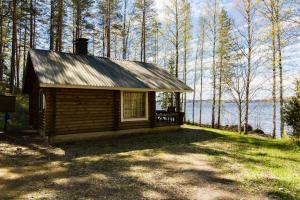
(259,131)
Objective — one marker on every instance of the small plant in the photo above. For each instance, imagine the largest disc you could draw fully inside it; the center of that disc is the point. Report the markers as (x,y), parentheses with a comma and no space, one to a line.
(292,111)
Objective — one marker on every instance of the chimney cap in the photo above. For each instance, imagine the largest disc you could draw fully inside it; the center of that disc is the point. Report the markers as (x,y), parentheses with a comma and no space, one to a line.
(81,40)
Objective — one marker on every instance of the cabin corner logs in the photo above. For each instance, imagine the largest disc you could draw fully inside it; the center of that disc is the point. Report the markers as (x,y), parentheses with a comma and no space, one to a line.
(73,111)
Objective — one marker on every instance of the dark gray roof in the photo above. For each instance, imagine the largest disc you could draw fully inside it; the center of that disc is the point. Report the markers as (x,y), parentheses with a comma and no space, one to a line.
(79,71)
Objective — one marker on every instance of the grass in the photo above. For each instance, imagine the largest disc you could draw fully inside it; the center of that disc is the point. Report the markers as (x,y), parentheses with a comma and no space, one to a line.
(194,163)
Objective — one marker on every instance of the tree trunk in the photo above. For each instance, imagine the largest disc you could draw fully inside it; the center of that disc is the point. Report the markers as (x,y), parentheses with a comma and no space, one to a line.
(59,26)
(277,10)
(31,24)
(124,34)
(144,31)
(103,39)
(195,77)
(18,53)
(249,57)
(34,27)
(201,72)
(108,29)
(1,44)
(52,26)
(214,65)
(13,46)
(274,69)
(24,47)
(78,19)
(240,116)
(176,39)
(220,91)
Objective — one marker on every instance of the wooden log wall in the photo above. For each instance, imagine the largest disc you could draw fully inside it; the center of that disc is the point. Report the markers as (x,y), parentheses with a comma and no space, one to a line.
(79,111)
(71,111)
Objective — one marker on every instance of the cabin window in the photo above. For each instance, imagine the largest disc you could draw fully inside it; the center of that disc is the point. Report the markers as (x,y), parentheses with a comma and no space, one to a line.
(42,102)
(134,106)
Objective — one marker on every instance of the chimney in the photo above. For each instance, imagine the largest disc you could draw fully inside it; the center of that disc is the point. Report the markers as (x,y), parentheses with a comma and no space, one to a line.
(81,46)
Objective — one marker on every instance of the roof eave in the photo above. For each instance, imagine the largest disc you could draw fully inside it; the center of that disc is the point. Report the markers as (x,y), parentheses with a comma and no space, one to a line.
(44,85)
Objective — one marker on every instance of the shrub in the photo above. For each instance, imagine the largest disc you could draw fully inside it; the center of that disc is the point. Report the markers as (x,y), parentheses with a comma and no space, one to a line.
(292,111)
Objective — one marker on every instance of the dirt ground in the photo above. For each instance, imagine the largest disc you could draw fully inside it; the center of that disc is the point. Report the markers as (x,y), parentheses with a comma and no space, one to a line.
(153,166)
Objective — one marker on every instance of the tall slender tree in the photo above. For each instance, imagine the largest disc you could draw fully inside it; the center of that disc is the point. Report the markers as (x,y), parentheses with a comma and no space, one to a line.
(273,36)
(279,48)
(58,46)
(144,14)
(224,48)
(202,39)
(13,46)
(52,24)
(249,10)
(214,73)
(186,40)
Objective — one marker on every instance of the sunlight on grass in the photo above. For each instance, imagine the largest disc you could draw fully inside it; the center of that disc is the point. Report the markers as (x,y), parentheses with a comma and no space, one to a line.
(193,163)
(259,164)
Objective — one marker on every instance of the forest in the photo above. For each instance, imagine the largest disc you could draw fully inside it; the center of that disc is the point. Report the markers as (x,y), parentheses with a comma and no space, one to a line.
(233,52)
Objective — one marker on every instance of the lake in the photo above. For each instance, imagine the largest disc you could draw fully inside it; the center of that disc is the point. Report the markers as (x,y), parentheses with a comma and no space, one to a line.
(260,114)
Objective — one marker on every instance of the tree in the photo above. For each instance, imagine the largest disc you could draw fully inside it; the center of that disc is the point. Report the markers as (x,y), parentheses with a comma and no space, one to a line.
(279,45)
(144,13)
(58,46)
(195,80)
(224,48)
(213,24)
(109,11)
(202,39)
(186,40)
(274,68)
(13,46)
(291,111)
(247,10)
(81,11)
(235,80)
(52,24)
(174,27)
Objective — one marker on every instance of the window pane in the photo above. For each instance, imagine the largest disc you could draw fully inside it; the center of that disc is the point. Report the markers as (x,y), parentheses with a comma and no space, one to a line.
(134,105)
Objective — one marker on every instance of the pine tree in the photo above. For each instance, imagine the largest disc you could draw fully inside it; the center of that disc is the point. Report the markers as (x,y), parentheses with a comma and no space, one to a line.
(144,13)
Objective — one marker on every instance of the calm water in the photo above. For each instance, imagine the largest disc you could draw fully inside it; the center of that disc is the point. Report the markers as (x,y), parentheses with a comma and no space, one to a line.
(260,114)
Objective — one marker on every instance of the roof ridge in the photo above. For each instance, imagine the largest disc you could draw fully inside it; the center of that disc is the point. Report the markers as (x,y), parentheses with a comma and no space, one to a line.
(120,59)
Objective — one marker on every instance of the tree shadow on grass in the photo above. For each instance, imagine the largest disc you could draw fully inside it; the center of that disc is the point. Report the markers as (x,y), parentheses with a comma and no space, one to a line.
(161,165)
(119,168)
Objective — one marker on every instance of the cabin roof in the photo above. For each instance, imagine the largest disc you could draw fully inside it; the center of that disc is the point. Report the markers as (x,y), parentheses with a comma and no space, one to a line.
(65,70)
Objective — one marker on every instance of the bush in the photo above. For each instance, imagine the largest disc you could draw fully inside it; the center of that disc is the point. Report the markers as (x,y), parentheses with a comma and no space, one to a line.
(292,111)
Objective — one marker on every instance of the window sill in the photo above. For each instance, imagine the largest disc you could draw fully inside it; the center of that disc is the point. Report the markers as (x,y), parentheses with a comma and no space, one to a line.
(134,119)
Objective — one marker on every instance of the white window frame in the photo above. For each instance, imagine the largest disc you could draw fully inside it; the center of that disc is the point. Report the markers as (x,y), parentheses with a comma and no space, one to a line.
(134,119)
(42,101)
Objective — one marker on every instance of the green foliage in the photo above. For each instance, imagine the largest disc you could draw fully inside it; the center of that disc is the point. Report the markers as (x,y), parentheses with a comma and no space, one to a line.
(292,111)
(19,119)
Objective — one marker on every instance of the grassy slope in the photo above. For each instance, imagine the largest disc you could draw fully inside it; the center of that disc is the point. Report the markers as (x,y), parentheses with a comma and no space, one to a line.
(259,164)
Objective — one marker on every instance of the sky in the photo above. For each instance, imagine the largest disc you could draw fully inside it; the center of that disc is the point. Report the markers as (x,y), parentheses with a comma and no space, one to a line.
(263,77)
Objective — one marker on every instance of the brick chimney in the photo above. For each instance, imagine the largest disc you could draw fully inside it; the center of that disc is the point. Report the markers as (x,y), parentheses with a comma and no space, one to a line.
(81,46)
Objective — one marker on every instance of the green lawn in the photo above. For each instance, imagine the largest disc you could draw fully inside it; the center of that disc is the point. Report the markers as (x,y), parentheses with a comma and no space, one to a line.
(192,163)
(259,164)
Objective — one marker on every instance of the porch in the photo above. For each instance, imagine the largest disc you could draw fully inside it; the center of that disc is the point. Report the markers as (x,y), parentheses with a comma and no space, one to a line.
(170,116)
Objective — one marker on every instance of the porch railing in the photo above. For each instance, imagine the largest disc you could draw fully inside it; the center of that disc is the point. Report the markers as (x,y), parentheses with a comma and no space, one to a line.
(164,118)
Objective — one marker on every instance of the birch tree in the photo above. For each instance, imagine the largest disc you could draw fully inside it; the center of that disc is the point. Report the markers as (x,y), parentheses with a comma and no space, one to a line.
(202,39)
(224,48)
(186,40)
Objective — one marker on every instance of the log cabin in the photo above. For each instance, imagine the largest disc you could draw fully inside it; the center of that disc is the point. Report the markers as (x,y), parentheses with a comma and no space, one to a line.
(79,97)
